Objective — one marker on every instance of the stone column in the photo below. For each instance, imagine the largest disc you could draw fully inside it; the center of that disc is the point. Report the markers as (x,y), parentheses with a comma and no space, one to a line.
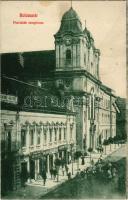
(36,169)
(27,138)
(57,56)
(48,163)
(53,135)
(41,138)
(57,132)
(35,136)
(48,135)
(54,157)
(28,169)
(74,55)
(62,133)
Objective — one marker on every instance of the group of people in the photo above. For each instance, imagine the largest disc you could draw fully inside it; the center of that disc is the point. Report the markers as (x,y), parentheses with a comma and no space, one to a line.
(54,172)
(104,171)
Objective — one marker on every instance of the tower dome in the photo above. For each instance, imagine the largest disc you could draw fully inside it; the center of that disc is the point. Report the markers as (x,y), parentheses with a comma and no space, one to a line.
(70,14)
(70,23)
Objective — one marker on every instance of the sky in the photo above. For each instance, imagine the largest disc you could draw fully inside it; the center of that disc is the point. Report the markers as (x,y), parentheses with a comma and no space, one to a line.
(106,20)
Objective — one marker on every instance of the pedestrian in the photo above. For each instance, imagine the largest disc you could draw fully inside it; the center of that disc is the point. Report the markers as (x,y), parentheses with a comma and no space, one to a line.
(63,171)
(82,174)
(51,172)
(69,175)
(63,162)
(82,160)
(66,168)
(92,162)
(54,173)
(114,172)
(109,174)
(44,176)
(115,178)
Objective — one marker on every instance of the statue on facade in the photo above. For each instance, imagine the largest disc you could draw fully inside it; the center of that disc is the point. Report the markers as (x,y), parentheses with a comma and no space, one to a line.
(70,105)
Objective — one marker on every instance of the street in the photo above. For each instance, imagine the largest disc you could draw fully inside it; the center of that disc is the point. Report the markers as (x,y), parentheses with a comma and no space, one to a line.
(78,187)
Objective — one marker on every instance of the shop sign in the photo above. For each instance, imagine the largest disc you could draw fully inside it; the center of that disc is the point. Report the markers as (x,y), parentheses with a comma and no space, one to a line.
(8,99)
(36,155)
(62,147)
(50,151)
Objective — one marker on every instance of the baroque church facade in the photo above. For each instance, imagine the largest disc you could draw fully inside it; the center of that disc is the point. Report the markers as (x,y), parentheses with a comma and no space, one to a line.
(77,76)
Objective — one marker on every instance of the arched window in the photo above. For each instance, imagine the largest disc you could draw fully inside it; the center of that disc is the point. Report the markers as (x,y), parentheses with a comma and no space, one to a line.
(50,132)
(68,56)
(31,137)
(55,134)
(38,136)
(85,59)
(59,133)
(23,138)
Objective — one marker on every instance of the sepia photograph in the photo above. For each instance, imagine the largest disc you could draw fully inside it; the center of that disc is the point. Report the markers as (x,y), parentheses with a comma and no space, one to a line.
(63,99)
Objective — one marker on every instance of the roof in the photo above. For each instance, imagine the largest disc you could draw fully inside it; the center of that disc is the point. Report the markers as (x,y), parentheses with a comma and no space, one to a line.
(28,64)
(70,14)
(70,23)
(121,102)
(88,34)
(31,97)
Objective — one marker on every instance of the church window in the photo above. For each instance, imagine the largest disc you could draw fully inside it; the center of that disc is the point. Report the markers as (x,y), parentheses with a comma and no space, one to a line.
(85,59)
(9,140)
(68,56)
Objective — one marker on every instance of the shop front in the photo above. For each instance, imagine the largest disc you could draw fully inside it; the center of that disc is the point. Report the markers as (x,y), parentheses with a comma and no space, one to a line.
(63,153)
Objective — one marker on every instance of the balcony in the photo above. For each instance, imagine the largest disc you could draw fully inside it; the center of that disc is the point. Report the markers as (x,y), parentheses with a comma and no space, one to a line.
(50,144)
(55,142)
(31,148)
(38,147)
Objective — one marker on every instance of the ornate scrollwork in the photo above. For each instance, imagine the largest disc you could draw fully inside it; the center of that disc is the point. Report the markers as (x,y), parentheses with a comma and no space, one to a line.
(76,40)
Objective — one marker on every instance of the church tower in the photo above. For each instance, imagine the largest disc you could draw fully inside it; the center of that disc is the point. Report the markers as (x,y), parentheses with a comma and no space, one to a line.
(76,58)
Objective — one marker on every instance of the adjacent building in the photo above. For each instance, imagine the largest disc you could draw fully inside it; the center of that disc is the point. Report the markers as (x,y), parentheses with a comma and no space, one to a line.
(121,119)
(33,135)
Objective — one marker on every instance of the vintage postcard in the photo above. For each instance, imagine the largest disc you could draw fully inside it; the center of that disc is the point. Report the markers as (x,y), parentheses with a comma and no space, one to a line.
(63,100)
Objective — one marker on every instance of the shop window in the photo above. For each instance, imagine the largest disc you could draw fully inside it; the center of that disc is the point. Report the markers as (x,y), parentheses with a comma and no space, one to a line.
(23,138)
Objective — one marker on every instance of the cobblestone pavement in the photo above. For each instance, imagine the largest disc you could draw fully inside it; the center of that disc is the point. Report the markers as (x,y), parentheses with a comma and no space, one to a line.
(36,189)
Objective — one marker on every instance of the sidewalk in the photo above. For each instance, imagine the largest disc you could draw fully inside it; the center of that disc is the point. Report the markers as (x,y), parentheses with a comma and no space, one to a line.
(35,189)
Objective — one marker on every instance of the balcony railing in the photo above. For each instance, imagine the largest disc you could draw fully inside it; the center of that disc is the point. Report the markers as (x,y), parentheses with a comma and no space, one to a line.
(38,146)
(31,148)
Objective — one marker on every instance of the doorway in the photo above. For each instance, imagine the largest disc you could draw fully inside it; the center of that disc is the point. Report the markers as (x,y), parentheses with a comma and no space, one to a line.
(32,169)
